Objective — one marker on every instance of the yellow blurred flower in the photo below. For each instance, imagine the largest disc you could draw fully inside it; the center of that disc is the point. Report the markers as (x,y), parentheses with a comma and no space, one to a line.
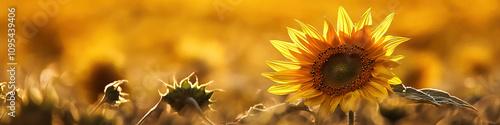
(339,68)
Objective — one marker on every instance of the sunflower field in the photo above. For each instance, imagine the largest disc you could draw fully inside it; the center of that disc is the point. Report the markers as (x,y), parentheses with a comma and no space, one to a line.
(251,62)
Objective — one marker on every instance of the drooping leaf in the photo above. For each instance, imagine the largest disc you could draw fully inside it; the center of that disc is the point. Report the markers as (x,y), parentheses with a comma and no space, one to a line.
(429,95)
(443,97)
(413,94)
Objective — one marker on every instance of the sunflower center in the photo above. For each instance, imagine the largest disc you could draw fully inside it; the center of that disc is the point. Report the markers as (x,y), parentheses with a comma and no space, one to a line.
(341,69)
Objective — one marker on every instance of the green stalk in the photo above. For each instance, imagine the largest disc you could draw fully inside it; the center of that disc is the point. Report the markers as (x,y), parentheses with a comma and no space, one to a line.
(149,112)
(98,105)
(195,104)
(350,116)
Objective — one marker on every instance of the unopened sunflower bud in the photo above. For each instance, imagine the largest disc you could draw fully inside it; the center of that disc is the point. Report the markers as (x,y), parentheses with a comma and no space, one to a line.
(113,93)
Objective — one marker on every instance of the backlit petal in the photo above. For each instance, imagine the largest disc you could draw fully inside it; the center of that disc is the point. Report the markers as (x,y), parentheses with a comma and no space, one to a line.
(283,89)
(330,34)
(288,76)
(392,43)
(278,65)
(285,48)
(299,39)
(344,22)
(381,29)
(366,20)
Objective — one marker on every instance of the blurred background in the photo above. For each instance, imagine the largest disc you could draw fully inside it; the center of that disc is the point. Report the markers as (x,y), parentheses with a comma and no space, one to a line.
(69,50)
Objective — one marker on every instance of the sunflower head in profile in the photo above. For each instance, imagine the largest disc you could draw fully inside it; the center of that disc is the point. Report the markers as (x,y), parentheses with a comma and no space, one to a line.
(180,93)
(340,67)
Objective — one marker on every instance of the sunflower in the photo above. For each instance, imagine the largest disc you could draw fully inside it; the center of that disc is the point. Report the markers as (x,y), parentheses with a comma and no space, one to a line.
(340,67)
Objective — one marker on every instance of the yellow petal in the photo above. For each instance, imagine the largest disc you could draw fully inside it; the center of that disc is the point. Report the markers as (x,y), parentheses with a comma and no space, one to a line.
(288,76)
(376,89)
(350,102)
(381,29)
(324,108)
(397,57)
(344,22)
(330,34)
(382,71)
(315,42)
(283,89)
(387,62)
(334,102)
(391,80)
(392,43)
(285,48)
(278,65)
(310,30)
(299,39)
(304,58)
(384,83)
(310,93)
(306,86)
(315,101)
(366,20)
(365,94)
(395,80)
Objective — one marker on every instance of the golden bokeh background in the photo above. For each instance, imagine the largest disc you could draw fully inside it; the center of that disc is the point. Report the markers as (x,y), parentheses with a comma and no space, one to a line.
(70,49)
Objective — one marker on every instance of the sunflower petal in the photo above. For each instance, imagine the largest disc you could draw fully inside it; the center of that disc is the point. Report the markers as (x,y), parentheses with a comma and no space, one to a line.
(344,22)
(366,20)
(350,102)
(365,94)
(392,43)
(382,71)
(397,57)
(285,48)
(278,65)
(315,101)
(283,89)
(324,108)
(381,29)
(314,41)
(386,84)
(299,39)
(387,62)
(395,80)
(288,76)
(330,34)
(376,90)
(310,30)
(303,58)
(334,102)
(310,93)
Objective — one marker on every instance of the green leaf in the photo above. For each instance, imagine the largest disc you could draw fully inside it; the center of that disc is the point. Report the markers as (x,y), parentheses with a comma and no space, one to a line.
(443,97)
(429,95)
(413,94)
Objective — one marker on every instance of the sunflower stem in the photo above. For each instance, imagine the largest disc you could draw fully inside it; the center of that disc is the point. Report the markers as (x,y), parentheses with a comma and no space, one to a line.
(98,105)
(149,112)
(350,116)
(195,104)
